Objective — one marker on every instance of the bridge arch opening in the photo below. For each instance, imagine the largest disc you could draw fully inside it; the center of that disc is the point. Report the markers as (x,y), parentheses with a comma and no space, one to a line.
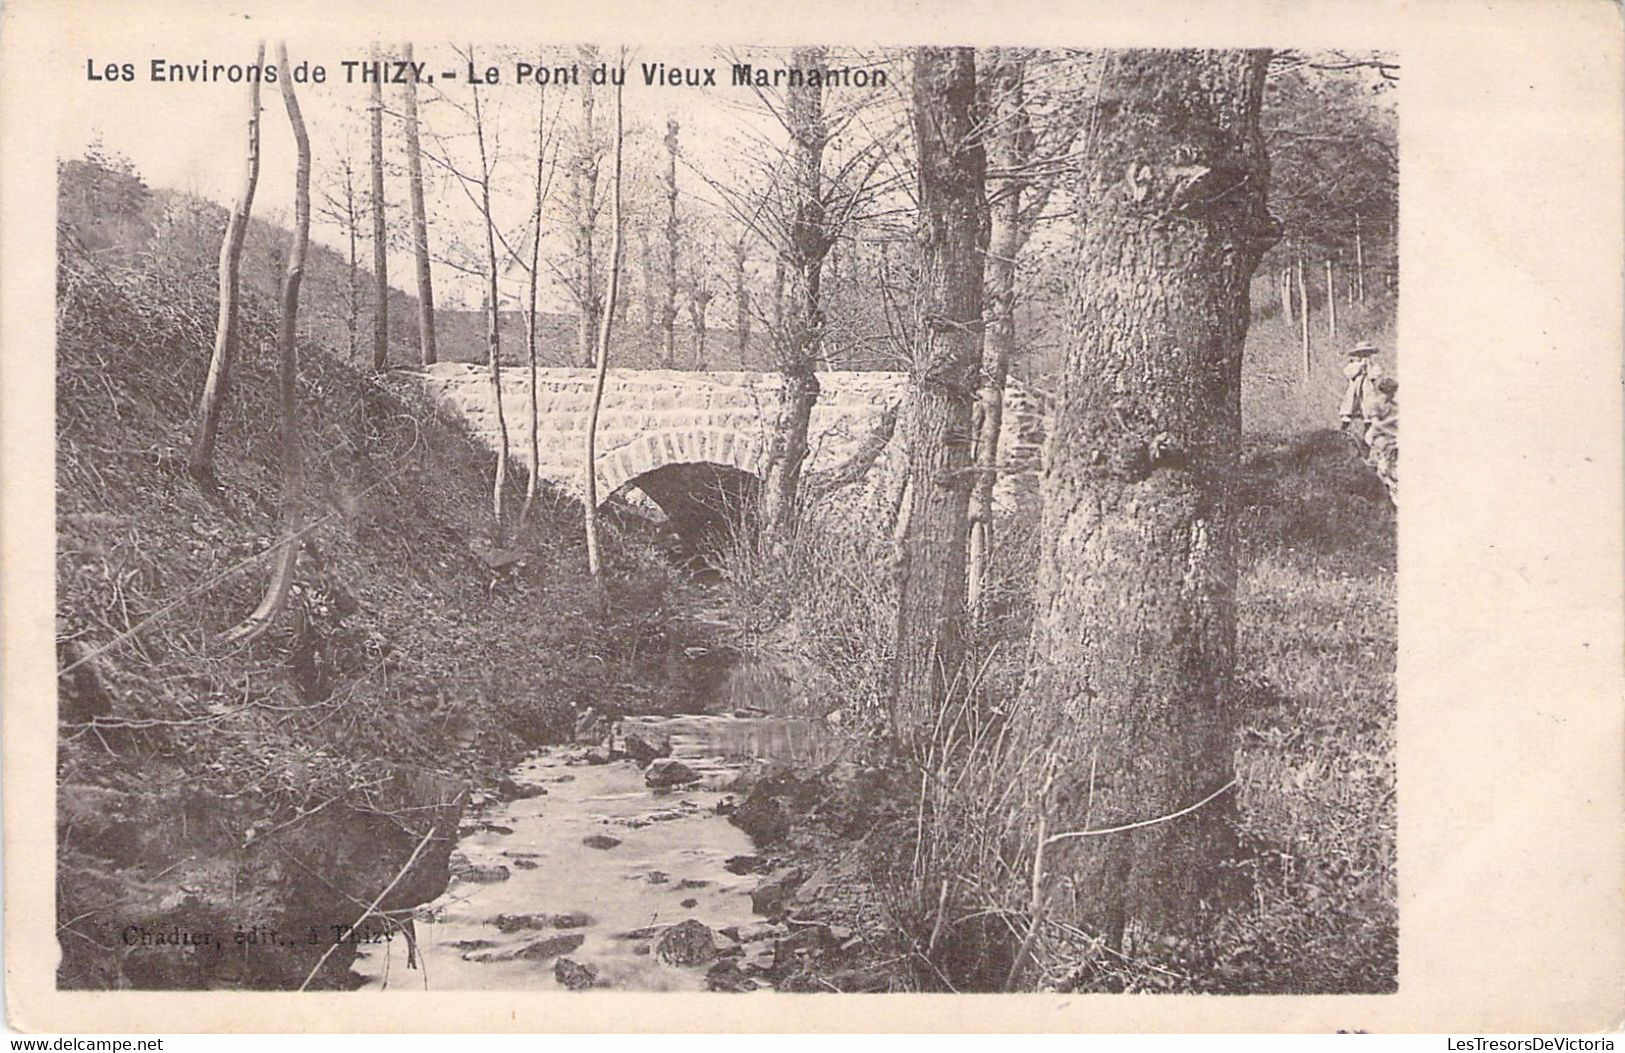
(706,504)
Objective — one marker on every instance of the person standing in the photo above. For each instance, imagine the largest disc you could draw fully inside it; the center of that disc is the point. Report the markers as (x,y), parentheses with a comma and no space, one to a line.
(1363,372)
(1382,435)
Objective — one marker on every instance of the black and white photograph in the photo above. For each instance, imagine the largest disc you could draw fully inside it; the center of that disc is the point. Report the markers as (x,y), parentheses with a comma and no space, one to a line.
(983,579)
(548,513)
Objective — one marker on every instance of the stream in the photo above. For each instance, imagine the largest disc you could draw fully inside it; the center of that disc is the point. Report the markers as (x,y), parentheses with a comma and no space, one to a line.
(599,863)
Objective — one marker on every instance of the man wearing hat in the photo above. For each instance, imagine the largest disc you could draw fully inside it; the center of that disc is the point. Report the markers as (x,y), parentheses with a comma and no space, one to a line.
(1361,395)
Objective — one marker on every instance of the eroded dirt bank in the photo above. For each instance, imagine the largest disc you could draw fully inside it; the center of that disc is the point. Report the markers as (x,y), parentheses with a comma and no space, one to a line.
(224,811)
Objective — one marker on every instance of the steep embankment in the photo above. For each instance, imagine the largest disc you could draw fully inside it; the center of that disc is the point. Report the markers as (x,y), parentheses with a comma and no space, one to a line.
(211,794)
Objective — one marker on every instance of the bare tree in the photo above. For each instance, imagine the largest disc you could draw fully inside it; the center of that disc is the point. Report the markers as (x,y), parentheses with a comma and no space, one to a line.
(420,226)
(942,386)
(287,560)
(1025,159)
(798,212)
(1133,645)
(797,344)
(590,470)
(1303,314)
(584,208)
(1009,146)
(380,237)
(543,182)
(700,295)
(339,204)
(668,312)
(201,462)
(493,317)
(741,287)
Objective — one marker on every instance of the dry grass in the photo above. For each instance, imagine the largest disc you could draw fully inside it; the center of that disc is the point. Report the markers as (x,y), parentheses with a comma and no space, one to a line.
(953,863)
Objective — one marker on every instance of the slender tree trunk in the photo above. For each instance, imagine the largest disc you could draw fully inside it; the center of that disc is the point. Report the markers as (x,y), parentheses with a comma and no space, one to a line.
(590,468)
(530,309)
(293,474)
(668,316)
(1286,294)
(942,388)
(1331,302)
(420,226)
(352,221)
(493,324)
(1303,317)
(797,341)
(1359,262)
(778,293)
(201,462)
(1008,149)
(1133,646)
(698,307)
(380,243)
(584,194)
(741,301)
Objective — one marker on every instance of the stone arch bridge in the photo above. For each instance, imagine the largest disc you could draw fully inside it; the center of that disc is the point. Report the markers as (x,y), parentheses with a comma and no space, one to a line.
(693,442)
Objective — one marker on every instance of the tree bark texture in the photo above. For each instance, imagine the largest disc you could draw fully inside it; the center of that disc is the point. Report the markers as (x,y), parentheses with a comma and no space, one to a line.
(1133,645)
(1009,148)
(943,384)
(218,381)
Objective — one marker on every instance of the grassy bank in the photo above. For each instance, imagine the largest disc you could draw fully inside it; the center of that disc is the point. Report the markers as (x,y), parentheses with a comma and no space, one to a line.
(945,851)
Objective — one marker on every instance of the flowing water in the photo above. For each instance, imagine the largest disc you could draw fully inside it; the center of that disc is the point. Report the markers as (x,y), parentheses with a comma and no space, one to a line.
(660,858)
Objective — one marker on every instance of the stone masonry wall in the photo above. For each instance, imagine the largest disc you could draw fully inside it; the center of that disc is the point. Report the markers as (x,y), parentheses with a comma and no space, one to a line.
(654,417)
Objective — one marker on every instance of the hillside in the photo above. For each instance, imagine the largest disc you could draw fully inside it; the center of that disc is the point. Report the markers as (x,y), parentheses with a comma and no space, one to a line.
(206,788)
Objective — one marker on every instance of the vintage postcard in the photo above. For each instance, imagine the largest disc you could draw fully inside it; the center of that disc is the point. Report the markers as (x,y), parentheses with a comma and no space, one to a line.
(634,517)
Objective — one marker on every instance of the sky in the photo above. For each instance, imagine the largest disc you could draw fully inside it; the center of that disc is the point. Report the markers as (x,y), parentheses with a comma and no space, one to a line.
(189,136)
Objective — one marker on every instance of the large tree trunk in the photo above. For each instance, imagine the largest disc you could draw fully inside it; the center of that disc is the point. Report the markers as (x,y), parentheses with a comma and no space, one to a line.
(942,387)
(420,226)
(1133,644)
(493,325)
(201,461)
(293,473)
(1009,148)
(590,480)
(584,205)
(798,338)
(380,244)
(668,315)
